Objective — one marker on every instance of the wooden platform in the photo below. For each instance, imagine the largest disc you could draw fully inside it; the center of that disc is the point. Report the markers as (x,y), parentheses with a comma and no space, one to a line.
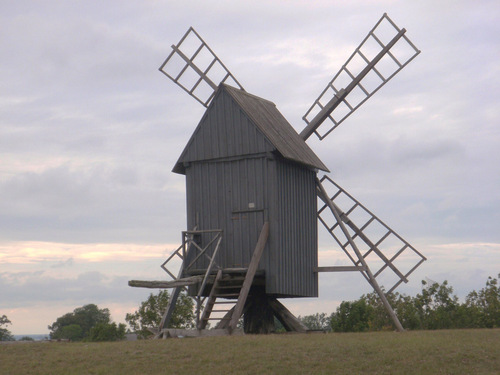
(180,333)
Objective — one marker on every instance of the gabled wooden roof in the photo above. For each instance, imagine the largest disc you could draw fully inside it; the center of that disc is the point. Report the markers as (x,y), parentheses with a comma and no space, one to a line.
(264,115)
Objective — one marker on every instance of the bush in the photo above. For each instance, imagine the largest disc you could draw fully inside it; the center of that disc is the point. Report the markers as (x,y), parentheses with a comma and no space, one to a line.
(436,307)
(26,338)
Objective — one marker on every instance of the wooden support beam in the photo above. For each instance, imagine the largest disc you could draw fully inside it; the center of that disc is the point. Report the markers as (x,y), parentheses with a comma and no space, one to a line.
(289,321)
(165,284)
(340,269)
(177,332)
(165,320)
(167,315)
(337,99)
(252,269)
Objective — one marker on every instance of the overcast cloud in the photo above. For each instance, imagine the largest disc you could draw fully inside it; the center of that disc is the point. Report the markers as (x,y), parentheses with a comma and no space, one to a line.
(90,130)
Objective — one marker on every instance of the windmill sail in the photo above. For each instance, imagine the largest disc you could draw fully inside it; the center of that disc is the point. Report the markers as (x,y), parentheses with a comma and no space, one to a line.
(196,68)
(380,56)
(391,258)
(226,275)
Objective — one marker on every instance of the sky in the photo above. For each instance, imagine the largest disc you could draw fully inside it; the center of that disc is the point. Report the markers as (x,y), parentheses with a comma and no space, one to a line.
(90,130)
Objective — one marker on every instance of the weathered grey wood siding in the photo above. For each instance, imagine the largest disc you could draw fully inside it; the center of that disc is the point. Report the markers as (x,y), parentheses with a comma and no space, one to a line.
(225,131)
(222,202)
(237,178)
(297,223)
(237,196)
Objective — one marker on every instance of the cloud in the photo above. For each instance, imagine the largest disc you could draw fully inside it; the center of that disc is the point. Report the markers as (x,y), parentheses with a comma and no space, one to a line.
(407,110)
(25,292)
(68,254)
(90,131)
(63,264)
(60,202)
(25,289)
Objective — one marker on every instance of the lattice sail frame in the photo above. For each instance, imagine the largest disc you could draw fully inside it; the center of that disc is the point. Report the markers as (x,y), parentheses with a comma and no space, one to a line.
(189,245)
(396,58)
(196,68)
(391,258)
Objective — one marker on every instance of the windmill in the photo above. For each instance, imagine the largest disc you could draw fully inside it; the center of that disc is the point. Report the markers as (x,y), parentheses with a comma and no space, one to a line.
(254,197)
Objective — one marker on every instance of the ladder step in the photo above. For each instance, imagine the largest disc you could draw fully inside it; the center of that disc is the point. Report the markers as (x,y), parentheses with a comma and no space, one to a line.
(225,302)
(206,319)
(229,286)
(234,270)
(223,295)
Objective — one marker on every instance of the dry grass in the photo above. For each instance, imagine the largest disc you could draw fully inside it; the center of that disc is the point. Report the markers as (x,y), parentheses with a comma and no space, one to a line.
(419,352)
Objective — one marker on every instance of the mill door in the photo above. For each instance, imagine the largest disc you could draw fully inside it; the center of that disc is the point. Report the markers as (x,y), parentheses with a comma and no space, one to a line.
(246,227)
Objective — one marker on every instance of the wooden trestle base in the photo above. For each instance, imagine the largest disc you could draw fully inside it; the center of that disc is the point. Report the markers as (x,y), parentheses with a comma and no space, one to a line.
(258,318)
(260,310)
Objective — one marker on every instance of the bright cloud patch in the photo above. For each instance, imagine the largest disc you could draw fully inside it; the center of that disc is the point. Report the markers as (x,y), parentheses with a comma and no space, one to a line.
(34,252)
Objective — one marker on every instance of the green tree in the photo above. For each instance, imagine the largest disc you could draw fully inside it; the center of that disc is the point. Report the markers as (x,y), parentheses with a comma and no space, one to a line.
(484,306)
(85,317)
(437,307)
(318,321)
(107,332)
(5,334)
(73,332)
(376,314)
(434,308)
(352,316)
(407,313)
(149,314)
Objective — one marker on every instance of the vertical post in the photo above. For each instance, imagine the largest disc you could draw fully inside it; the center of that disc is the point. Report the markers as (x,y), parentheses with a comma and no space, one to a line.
(165,320)
(252,268)
(373,282)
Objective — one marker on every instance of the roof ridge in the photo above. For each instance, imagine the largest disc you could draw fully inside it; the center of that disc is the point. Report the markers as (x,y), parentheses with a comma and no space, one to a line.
(273,134)
(243,92)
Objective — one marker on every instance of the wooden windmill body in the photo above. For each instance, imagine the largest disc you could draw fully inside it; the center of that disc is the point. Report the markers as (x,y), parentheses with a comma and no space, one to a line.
(245,165)
(252,189)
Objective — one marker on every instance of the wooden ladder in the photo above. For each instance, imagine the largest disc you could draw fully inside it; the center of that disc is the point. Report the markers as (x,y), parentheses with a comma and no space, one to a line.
(232,315)
(229,299)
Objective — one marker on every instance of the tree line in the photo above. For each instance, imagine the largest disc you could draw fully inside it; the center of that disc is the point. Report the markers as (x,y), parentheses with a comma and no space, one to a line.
(436,307)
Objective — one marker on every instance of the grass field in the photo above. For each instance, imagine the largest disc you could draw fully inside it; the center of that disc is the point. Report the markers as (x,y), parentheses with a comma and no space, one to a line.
(419,352)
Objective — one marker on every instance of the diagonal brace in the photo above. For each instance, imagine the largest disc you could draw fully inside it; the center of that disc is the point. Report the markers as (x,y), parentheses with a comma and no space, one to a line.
(358,232)
(252,269)
(324,196)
